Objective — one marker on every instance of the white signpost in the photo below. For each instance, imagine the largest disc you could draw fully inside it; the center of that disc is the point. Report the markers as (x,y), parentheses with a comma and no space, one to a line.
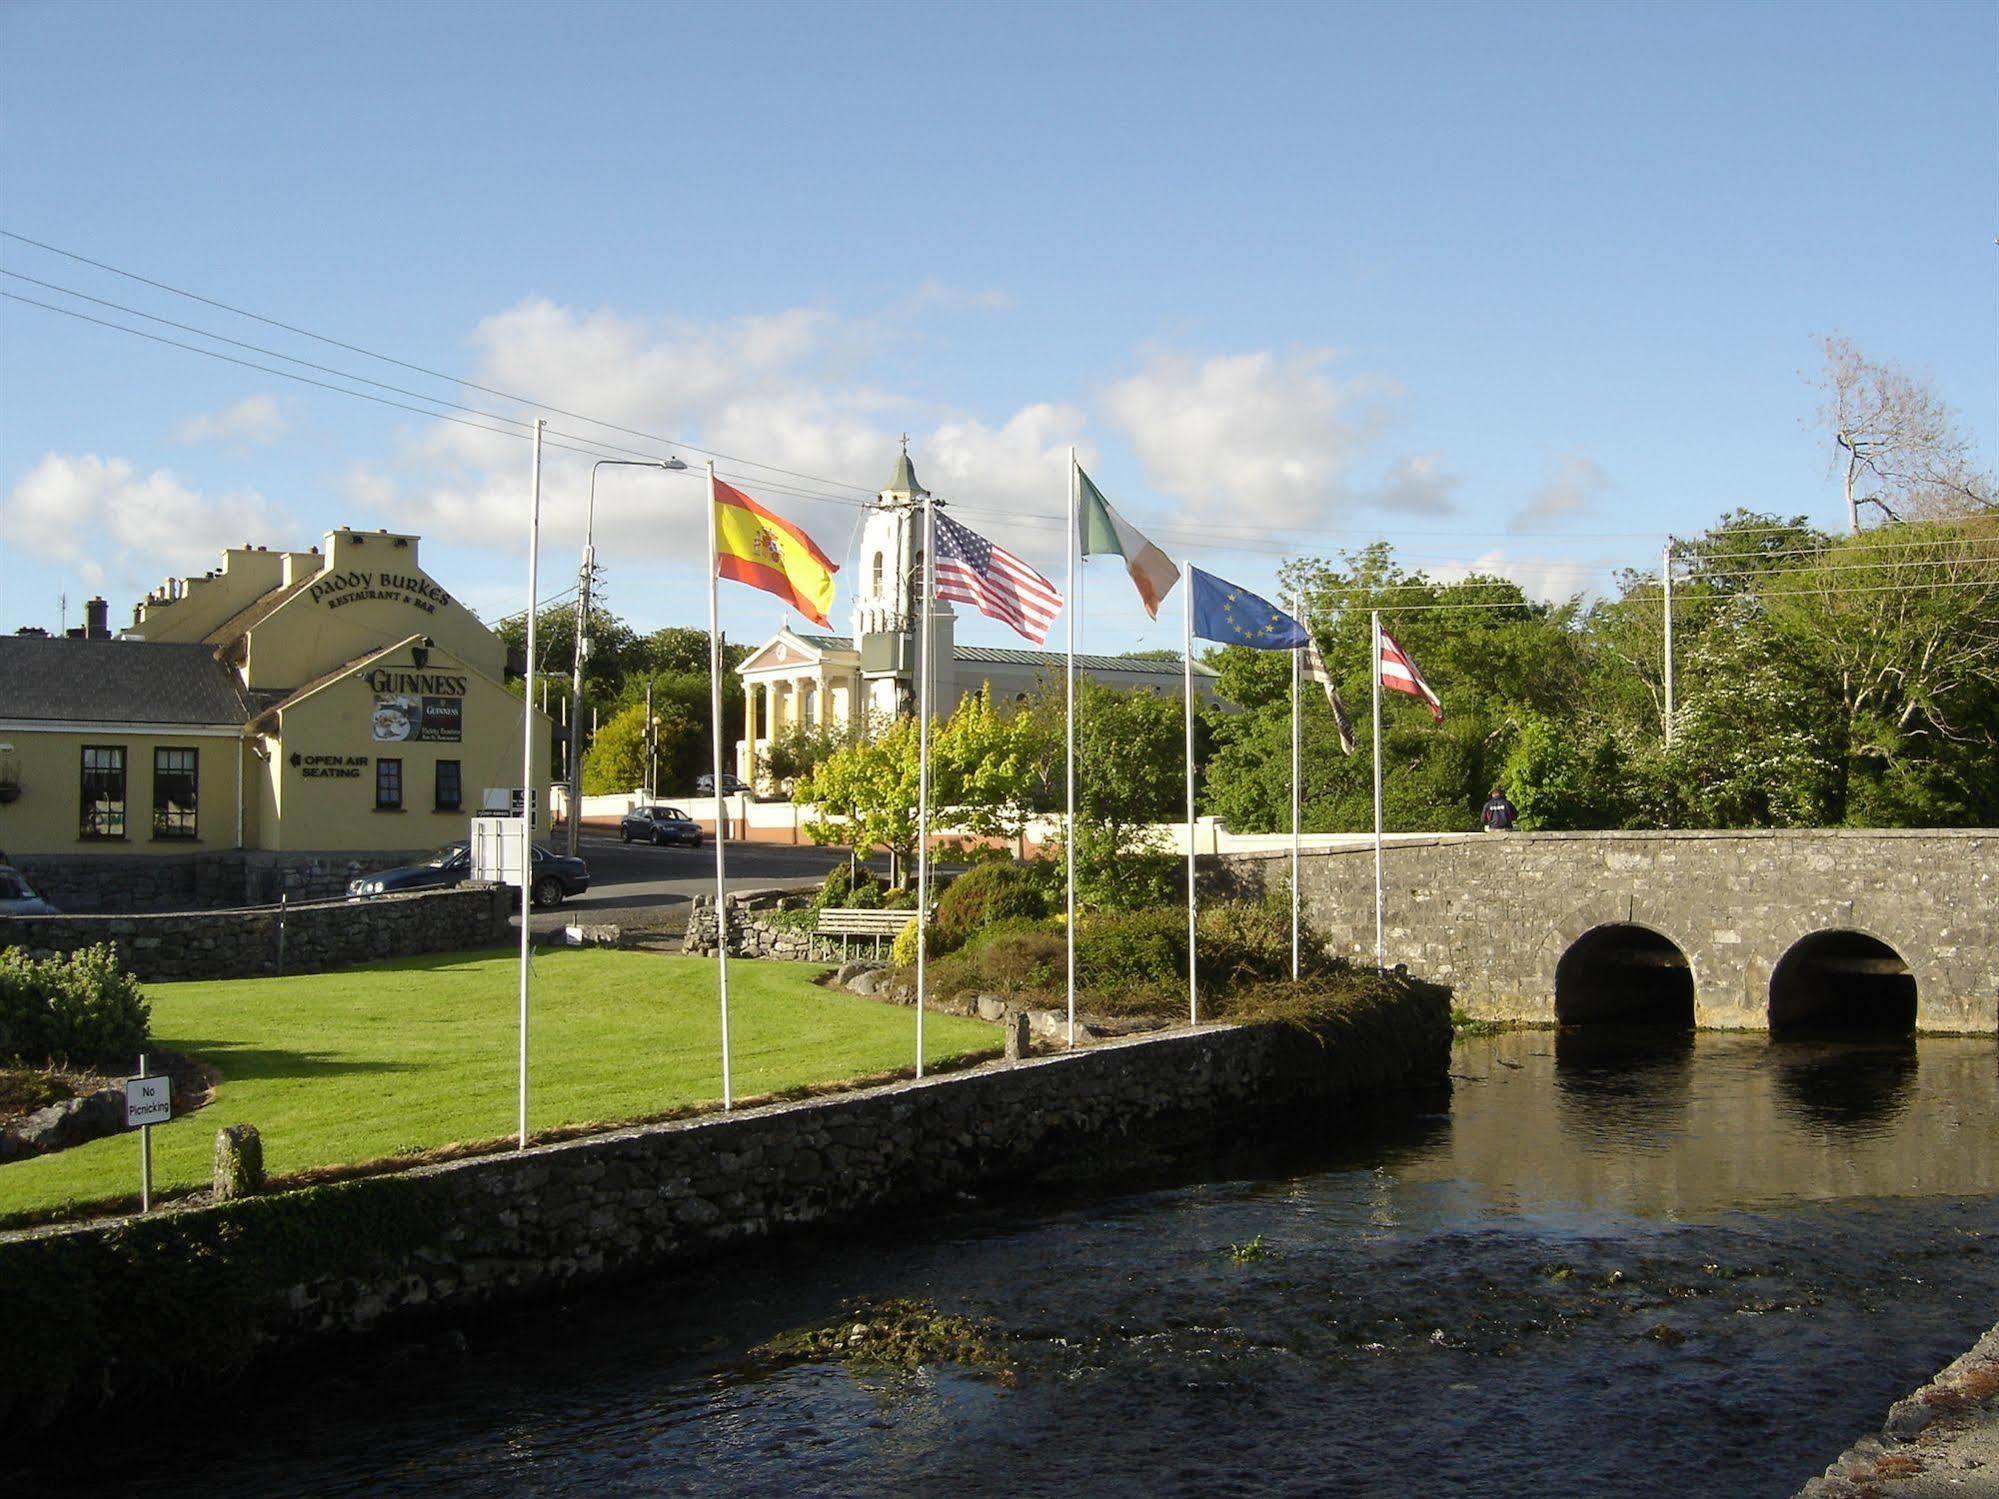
(148,1101)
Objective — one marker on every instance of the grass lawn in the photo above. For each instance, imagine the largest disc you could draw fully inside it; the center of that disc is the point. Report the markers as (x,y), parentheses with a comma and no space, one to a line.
(405,1056)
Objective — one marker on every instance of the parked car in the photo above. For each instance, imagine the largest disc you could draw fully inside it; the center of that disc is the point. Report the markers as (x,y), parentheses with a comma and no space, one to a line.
(731,784)
(556,876)
(447,867)
(659,825)
(18,897)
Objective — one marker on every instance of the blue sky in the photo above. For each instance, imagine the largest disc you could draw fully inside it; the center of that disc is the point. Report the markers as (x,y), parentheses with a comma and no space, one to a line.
(1525,288)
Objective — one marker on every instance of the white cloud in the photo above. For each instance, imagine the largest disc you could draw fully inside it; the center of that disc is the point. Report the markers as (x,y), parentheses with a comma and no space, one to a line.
(252,419)
(1267,438)
(1552,580)
(788,388)
(118,528)
(1575,482)
(1415,485)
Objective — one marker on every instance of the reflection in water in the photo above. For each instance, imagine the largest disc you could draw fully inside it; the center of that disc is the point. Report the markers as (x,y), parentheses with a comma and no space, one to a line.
(1513,1301)
(1623,1088)
(1847,1087)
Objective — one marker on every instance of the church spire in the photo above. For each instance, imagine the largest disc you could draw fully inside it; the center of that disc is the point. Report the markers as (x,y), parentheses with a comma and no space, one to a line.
(902,483)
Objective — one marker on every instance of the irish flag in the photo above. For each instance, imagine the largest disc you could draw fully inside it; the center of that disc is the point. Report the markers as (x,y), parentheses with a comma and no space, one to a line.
(766,551)
(1399,674)
(1103,532)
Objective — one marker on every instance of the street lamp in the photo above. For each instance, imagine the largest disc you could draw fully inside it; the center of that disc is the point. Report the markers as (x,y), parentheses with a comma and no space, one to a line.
(582,637)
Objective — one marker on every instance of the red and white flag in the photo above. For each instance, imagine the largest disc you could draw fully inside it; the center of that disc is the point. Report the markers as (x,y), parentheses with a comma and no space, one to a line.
(1399,674)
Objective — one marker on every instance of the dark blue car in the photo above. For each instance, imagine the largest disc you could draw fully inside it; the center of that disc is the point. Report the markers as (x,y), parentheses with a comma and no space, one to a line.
(659,825)
(556,876)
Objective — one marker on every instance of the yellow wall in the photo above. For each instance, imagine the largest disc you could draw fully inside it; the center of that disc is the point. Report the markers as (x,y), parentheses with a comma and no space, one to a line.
(370,594)
(326,800)
(246,575)
(47,816)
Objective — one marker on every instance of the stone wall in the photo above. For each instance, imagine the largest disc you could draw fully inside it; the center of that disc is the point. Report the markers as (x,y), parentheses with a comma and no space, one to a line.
(162,946)
(753,934)
(213,1286)
(195,881)
(1492,916)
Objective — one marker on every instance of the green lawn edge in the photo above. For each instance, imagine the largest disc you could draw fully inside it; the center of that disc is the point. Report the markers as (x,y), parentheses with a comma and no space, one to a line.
(407,1058)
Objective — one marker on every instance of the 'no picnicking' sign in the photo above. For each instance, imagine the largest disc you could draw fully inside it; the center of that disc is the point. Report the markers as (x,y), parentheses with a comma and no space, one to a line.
(148,1100)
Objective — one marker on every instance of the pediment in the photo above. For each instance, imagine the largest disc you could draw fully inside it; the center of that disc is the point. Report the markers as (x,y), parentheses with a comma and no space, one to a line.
(785,651)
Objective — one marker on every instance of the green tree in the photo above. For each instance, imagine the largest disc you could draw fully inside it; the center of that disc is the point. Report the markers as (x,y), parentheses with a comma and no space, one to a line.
(611,643)
(1753,744)
(616,760)
(1902,641)
(1130,775)
(865,794)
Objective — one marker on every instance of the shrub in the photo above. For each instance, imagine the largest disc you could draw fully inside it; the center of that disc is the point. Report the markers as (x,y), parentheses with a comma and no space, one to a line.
(1240,942)
(77,1007)
(1129,949)
(984,894)
(903,951)
(838,885)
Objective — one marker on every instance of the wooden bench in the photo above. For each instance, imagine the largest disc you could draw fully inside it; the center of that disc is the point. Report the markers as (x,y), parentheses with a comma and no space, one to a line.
(848,922)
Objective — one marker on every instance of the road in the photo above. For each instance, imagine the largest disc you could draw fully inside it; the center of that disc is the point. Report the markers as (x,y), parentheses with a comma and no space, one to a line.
(639,886)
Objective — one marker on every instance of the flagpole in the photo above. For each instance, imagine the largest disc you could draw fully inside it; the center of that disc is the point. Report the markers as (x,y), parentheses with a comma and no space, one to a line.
(1187,668)
(1666,616)
(1069,836)
(1380,929)
(1297,782)
(721,812)
(527,770)
(923,768)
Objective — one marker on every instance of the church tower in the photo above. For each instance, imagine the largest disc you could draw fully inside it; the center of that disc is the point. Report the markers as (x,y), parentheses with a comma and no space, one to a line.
(886,608)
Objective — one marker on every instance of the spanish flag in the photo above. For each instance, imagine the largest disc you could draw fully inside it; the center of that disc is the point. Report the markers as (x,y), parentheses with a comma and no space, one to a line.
(766,551)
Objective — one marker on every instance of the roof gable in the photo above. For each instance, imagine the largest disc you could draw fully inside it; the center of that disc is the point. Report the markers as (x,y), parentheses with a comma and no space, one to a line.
(787,648)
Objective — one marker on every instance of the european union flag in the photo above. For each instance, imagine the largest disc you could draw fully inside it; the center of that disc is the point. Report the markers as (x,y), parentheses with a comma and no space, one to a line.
(1235,616)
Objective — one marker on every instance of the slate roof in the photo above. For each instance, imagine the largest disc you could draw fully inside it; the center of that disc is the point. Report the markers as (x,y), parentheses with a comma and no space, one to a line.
(1004,656)
(1000,655)
(116,682)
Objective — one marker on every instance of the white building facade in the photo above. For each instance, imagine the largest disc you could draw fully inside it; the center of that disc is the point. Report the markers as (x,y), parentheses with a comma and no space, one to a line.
(799,680)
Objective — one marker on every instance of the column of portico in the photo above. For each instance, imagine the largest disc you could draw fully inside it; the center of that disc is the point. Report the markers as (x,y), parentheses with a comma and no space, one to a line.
(746,759)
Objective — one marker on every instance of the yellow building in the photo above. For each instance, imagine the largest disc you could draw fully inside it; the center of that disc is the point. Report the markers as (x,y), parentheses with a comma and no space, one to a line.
(303,704)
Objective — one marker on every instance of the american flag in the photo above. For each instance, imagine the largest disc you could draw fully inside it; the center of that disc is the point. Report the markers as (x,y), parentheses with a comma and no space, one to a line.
(971,570)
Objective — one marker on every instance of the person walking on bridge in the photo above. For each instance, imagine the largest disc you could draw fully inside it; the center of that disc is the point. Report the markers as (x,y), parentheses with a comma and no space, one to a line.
(1499,814)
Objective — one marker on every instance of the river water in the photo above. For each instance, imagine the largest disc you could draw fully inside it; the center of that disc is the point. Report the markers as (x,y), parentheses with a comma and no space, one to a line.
(1612,1267)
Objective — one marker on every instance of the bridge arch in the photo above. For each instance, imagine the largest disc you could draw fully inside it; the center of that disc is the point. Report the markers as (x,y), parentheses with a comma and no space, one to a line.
(1624,973)
(1842,980)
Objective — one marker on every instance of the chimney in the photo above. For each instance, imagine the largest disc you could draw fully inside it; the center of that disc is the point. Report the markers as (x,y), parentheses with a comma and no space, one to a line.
(97,620)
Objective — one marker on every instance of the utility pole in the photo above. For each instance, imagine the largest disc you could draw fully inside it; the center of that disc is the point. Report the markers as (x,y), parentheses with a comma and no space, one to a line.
(575,716)
(650,740)
(586,585)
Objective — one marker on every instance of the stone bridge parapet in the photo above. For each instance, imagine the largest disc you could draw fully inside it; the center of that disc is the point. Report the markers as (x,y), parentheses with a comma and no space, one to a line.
(1494,914)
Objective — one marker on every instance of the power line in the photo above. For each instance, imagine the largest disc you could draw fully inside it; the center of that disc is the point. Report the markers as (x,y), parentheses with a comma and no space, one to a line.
(595,450)
(1254,540)
(421,369)
(1205,533)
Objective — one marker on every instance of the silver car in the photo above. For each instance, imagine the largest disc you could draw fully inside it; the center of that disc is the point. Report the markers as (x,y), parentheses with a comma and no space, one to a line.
(18,898)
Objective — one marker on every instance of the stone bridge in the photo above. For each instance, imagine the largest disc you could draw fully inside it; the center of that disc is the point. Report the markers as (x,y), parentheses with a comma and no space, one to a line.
(1783,930)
